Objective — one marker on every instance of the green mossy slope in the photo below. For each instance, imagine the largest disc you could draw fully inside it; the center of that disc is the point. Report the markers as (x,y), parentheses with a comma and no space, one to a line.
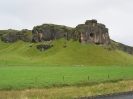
(74,53)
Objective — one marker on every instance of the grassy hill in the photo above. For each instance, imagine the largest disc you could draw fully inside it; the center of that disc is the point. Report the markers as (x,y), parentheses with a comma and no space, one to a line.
(23,53)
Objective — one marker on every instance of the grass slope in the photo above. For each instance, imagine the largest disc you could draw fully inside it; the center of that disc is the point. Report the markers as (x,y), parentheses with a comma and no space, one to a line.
(74,54)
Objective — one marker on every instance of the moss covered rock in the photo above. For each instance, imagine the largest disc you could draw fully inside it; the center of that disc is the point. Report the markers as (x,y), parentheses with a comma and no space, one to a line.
(47,32)
(15,35)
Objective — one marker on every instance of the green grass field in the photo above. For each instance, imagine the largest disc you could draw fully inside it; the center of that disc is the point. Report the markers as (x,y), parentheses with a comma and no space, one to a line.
(27,77)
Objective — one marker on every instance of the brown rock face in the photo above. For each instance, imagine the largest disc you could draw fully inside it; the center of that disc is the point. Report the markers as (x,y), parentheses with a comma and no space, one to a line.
(92,33)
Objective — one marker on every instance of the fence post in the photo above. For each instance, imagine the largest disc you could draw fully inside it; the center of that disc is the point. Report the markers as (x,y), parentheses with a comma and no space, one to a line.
(63,78)
(124,76)
(108,76)
(88,77)
(36,80)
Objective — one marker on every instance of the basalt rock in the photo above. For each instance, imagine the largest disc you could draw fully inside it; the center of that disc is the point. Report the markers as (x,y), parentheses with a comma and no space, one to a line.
(15,35)
(47,32)
(92,33)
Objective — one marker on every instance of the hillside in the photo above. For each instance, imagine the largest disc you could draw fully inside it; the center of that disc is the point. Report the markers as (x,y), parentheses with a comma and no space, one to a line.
(51,44)
(74,53)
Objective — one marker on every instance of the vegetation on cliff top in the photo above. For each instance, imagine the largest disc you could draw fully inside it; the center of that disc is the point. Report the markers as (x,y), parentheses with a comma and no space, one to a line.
(53,27)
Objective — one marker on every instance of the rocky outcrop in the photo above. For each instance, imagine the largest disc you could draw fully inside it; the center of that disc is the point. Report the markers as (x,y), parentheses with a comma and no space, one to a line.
(89,33)
(125,48)
(92,33)
(44,47)
(122,47)
(15,35)
(47,32)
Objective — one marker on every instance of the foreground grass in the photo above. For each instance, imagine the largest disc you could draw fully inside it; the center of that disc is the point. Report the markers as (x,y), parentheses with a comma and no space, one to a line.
(63,82)
(38,77)
(69,92)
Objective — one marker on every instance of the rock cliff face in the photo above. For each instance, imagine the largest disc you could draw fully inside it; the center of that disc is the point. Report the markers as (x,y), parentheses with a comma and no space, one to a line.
(47,32)
(15,35)
(89,33)
(92,33)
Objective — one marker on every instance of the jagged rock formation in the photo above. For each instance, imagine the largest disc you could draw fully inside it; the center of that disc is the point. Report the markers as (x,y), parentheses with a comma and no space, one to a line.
(47,32)
(92,33)
(15,35)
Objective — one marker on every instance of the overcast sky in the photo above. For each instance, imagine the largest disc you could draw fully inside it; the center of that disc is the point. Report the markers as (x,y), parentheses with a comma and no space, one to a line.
(117,15)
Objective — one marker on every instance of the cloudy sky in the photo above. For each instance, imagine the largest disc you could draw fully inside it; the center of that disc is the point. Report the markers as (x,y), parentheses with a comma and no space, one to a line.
(117,15)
